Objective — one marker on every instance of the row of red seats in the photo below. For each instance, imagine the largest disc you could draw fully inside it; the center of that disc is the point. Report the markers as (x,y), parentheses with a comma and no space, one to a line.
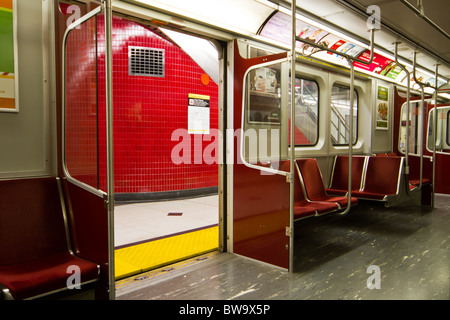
(373,178)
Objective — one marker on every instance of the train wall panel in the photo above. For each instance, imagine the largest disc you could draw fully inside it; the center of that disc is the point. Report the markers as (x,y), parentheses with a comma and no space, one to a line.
(381,137)
(26,146)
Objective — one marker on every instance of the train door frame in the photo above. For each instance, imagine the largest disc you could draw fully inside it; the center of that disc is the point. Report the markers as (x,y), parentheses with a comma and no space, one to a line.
(108,197)
(93,197)
(154,18)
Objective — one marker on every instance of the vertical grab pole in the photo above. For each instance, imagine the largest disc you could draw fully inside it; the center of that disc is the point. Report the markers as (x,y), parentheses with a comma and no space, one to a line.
(292,154)
(350,136)
(422,86)
(435,136)
(423,105)
(109,145)
(408,109)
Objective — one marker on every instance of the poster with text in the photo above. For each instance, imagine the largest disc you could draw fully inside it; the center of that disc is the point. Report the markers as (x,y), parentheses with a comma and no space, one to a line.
(8,75)
(382,108)
(198,114)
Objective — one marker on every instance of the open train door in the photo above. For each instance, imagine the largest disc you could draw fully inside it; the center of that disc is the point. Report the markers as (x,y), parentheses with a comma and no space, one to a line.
(260,190)
(85,131)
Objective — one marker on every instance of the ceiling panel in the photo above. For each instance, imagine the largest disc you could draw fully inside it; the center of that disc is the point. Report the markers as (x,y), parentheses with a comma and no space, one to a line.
(245,16)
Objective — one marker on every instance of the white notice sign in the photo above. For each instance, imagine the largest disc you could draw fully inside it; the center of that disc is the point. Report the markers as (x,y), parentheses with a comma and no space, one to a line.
(198,114)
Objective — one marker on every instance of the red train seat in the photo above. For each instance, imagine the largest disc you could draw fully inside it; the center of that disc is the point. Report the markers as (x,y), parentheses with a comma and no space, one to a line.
(302,207)
(34,250)
(311,177)
(382,178)
(339,178)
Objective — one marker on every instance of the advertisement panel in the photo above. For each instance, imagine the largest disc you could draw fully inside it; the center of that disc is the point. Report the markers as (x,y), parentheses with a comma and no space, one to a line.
(8,69)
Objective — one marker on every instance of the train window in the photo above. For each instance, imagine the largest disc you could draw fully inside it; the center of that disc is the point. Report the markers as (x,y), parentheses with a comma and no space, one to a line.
(258,52)
(431,136)
(340,115)
(415,126)
(264,98)
(262,136)
(442,138)
(306,112)
(82,112)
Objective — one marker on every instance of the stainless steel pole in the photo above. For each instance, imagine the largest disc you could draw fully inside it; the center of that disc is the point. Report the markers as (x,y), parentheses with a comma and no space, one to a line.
(408,109)
(420,138)
(350,138)
(292,135)
(436,84)
(109,145)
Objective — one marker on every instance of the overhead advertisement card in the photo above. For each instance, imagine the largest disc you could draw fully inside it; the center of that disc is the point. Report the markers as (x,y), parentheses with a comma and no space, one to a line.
(392,71)
(351,49)
(378,63)
(277,28)
(198,113)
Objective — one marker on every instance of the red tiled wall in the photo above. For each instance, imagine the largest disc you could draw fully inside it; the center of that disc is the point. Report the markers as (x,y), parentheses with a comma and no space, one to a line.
(147,110)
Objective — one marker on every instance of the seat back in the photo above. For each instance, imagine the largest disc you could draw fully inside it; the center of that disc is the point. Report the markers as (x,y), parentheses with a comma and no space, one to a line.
(299,193)
(312,178)
(382,175)
(339,179)
(31,220)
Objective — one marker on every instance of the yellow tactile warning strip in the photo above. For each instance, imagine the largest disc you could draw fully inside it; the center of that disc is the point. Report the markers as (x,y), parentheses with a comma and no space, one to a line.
(154,254)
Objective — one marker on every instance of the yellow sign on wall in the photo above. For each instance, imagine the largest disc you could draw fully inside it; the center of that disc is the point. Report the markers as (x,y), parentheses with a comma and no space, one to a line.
(8,76)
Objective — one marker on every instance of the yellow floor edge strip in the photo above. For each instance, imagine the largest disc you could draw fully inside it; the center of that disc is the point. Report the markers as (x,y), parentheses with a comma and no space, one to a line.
(143,257)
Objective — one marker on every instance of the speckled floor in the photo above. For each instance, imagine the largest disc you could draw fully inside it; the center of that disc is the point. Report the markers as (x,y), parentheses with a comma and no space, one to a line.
(334,259)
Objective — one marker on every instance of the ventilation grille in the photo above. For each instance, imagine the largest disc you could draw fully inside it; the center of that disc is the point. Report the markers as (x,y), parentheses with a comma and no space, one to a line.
(146,62)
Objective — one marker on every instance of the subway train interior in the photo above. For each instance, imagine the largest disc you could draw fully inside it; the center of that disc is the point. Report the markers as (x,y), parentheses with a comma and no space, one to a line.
(162,150)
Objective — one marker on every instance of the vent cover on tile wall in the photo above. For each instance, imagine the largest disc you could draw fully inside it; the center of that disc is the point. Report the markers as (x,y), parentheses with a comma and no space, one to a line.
(146,62)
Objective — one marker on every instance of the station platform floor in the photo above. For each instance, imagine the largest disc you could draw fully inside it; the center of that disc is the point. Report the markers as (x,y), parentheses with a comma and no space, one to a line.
(149,235)
(143,221)
(334,257)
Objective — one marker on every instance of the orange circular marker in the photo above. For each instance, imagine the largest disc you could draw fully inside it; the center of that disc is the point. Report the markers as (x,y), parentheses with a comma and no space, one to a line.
(205,79)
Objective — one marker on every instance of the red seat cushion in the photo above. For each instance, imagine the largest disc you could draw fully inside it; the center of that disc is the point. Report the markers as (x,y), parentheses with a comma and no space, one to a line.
(369,195)
(342,201)
(302,209)
(324,207)
(416,182)
(30,279)
(337,192)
